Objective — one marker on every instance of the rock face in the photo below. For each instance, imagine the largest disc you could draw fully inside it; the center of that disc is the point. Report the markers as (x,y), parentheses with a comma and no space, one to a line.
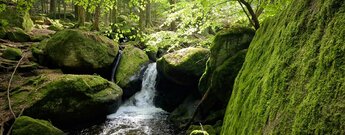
(128,74)
(17,18)
(179,74)
(292,81)
(185,66)
(228,52)
(68,100)
(76,51)
(25,125)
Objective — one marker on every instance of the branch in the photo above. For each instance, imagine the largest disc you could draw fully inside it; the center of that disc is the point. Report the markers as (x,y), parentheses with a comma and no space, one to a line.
(245,11)
(9,86)
(254,18)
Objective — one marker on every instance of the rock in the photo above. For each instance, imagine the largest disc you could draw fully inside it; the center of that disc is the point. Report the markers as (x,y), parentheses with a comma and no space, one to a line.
(184,112)
(17,18)
(128,75)
(292,81)
(76,51)
(185,66)
(228,53)
(12,53)
(68,100)
(196,130)
(17,35)
(28,126)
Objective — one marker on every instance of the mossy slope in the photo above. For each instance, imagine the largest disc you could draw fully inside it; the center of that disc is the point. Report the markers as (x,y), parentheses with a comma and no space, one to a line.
(293,78)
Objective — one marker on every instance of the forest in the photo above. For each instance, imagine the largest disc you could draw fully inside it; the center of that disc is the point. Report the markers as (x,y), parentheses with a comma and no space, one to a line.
(172,67)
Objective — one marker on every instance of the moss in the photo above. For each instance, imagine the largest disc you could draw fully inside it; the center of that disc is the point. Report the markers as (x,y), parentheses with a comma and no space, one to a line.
(196,129)
(17,35)
(292,81)
(198,132)
(12,53)
(25,125)
(76,99)
(132,60)
(67,100)
(17,18)
(77,51)
(184,66)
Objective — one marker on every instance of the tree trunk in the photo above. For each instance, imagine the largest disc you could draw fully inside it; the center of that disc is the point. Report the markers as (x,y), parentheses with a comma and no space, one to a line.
(173,23)
(148,14)
(64,9)
(81,16)
(97,16)
(53,7)
(59,7)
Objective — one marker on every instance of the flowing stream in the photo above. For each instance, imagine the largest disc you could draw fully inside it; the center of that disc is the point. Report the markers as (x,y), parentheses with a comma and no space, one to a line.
(138,115)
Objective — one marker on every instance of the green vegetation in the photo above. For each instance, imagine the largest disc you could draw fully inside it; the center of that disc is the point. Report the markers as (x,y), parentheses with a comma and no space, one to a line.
(292,80)
(236,66)
(25,125)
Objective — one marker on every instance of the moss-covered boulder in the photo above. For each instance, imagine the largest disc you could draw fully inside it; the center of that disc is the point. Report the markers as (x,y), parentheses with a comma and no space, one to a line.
(128,75)
(292,81)
(17,35)
(12,53)
(15,17)
(185,66)
(228,52)
(67,100)
(25,125)
(76,51)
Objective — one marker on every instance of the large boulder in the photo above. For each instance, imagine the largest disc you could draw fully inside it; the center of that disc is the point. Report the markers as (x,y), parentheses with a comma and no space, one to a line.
(76,51)
(292,80)
(128,75)
(185,66)
(228,53)
(179,74)
(15,17)
(25,125)
(67,100)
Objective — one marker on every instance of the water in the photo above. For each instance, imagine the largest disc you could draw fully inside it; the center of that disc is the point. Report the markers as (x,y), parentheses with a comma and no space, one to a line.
(138,115)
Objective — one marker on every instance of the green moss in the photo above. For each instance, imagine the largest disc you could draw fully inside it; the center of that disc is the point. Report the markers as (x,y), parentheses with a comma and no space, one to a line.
(207,130)
(78,51)
(12,53)
(132,60)
(28,126)
(292,81)
(184,66)
(198,132)
(16,18)
(17,35)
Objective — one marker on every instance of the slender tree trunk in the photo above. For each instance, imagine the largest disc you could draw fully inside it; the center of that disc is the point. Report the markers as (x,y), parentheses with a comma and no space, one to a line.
(148,14)
(53,7)
(81,16)
(64,9)
(173,23)
(59,7)
(97,16)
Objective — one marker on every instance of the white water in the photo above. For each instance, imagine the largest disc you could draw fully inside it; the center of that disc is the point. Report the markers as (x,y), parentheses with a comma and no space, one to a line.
(138,115)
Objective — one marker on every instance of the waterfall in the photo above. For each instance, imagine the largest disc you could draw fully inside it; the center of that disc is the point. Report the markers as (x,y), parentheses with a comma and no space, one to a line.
(138,115)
